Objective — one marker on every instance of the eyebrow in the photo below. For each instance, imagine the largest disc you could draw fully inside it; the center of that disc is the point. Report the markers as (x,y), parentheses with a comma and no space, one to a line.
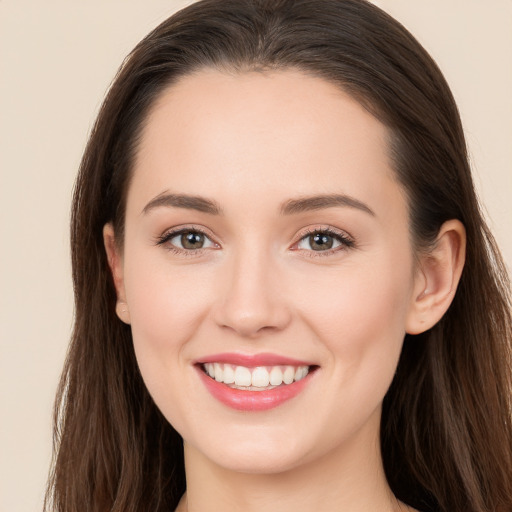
(188,202)
(304,204)
(290,207)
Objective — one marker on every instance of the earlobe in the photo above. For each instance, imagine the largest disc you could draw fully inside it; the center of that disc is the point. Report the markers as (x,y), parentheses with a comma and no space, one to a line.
(122,311)
(115,263)
(437,278)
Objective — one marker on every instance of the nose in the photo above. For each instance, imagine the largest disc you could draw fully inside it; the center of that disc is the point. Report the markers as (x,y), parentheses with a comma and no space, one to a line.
(252,299)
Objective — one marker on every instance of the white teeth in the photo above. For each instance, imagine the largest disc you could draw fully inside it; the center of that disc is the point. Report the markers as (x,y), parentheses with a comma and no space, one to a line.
(219,372)
(276,376)
(242,376)
(301,372)
(261,377)
(229,374)
(288,375)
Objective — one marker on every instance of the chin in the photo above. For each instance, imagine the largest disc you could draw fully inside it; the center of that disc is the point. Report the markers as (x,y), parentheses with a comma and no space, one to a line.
(252,454)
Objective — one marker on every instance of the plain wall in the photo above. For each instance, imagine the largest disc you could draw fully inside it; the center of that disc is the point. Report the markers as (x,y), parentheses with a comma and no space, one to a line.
(57,58)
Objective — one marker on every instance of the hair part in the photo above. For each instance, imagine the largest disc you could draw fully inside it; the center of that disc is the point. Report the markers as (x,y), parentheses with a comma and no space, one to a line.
(446,430)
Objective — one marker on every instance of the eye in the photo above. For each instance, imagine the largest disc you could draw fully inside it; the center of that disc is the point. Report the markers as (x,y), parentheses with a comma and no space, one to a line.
(187,240)
(324,240)
(190,240)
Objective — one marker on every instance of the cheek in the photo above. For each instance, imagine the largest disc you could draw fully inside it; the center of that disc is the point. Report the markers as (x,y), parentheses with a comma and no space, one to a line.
(358,299)
(166,307)
(361,321)
(160,295)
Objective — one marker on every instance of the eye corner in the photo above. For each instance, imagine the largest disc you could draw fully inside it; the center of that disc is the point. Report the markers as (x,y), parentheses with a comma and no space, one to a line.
(340,241)
(173,240)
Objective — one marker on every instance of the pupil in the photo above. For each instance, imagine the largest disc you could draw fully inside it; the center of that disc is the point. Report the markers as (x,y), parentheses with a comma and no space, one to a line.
(192,240)
(320,241)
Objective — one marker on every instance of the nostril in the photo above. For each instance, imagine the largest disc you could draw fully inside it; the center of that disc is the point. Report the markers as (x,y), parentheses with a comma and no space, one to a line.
(252,320)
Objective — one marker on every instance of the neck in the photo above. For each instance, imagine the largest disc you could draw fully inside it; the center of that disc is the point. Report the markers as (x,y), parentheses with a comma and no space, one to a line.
(349,478)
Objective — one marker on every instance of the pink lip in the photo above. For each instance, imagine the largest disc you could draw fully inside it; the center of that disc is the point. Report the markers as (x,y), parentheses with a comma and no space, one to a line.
(251,361)
(243,400)
(252,400)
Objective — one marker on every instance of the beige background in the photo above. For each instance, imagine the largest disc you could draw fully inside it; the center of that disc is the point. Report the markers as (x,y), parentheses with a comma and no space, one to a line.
(57,58)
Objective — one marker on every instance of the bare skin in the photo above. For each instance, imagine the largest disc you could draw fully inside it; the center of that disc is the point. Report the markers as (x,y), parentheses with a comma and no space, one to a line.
(252,146)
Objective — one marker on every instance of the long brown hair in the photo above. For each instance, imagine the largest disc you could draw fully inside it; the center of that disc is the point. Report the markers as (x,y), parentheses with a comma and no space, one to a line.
(446,428)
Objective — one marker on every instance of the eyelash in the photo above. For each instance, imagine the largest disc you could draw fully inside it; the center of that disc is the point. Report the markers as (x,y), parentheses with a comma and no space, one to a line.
(345,241)
(169,235)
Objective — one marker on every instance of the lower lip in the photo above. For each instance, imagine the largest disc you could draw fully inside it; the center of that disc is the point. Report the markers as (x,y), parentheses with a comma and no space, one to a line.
(253,400)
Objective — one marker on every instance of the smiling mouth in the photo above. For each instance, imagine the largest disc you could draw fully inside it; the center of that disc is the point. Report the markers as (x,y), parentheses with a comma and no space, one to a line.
(259,378)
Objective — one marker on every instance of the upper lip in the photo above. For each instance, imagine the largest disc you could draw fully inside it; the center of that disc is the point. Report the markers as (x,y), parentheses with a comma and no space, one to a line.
(252,360)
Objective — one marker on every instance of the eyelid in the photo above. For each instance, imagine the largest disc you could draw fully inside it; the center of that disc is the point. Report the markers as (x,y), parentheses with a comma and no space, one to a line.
(175,231)
(346,240)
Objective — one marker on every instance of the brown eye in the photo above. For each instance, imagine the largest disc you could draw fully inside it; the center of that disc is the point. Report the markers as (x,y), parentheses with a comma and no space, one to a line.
(192,240)
(321,242)
(324,241)
(187,240)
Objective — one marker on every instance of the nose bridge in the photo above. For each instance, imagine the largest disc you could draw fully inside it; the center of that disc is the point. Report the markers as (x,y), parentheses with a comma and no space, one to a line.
(252,301)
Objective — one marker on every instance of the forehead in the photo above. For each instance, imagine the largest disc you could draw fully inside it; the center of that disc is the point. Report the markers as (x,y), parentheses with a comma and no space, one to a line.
(256,133)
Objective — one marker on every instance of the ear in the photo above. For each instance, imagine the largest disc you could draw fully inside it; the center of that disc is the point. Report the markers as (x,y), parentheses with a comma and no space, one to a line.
(437,278)
(115,262)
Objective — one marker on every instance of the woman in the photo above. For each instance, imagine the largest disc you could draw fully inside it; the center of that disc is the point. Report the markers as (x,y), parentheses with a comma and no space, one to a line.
(285,293)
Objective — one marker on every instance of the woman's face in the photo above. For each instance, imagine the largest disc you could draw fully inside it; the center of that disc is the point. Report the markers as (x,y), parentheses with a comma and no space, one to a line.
(266,236)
